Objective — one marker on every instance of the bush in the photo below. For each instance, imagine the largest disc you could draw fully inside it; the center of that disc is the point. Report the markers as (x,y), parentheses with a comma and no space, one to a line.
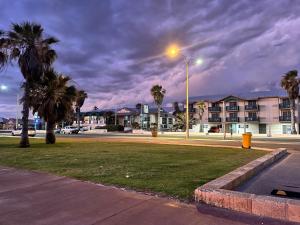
(112,127)
(135,125)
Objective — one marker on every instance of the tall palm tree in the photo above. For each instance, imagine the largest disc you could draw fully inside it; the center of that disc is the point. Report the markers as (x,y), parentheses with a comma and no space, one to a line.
(290,83)
(25,43)
(80,98)
(55,101)
(158,94)
(201,109)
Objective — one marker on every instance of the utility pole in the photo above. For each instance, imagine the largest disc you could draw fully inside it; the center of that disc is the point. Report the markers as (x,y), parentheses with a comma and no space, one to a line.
(17,108)
(224,120)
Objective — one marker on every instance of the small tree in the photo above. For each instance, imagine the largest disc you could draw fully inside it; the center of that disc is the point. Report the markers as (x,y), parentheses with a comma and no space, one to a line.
(201,109)
(290,83)
(158,94)
(80,98)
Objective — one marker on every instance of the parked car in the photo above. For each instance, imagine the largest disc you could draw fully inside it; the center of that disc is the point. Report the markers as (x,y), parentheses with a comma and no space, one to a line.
(83,128)
(214,130)
(69,130)
(18,132)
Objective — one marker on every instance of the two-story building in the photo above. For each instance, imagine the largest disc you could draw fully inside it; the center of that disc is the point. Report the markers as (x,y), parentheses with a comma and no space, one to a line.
(127,116)
(265,112)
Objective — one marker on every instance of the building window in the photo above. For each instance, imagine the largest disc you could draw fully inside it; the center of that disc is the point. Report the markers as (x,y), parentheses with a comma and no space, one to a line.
(164,120)
(215,115)
(170,121)
(252,114)
(232,104)
(233,115)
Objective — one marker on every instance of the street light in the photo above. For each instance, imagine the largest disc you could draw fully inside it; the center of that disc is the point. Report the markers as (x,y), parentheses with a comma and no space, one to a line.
(3,87)
(173,51)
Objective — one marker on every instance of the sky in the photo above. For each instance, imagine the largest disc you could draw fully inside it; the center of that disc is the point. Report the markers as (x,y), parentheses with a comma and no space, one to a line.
(114,50)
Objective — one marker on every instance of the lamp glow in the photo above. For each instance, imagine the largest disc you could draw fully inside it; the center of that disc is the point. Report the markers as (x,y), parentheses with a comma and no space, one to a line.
(172,51)
(3,87)
(199,61)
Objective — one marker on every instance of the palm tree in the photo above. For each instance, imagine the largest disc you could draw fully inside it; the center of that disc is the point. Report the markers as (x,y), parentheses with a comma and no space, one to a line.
(290,83)
(54,101)
(158,94)
(201,109)
(25,43)
(80,98)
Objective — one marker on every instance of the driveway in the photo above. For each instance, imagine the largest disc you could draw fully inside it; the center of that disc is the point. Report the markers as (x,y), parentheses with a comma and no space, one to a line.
(33,198)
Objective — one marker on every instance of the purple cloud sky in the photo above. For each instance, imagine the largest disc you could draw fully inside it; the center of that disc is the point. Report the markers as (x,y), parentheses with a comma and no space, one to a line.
(113,49)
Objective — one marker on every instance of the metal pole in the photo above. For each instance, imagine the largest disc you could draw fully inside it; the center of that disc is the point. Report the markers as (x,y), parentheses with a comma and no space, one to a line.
(224,120)
(187,99)
(115,117)
(141,119)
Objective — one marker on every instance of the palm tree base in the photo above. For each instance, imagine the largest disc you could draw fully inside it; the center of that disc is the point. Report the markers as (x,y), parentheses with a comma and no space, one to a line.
(24,143)
(50,138)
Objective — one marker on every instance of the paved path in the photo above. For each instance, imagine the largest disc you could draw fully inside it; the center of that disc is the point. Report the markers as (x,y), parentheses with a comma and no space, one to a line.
(283,175)
(31,198)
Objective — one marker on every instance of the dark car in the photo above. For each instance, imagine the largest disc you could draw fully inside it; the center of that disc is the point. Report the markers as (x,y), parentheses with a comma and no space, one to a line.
(214,130)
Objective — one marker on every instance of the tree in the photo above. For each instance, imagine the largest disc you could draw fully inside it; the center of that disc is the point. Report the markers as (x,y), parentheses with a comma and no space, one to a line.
(25,43)
(201,109)
(158,94)
(290,83)
(54,101)
(80,98)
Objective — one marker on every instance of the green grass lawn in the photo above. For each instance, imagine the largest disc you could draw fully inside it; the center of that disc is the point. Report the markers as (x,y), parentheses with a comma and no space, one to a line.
(171,170)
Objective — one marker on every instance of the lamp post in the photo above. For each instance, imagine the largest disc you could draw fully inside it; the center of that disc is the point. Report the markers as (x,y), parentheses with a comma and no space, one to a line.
(173,51)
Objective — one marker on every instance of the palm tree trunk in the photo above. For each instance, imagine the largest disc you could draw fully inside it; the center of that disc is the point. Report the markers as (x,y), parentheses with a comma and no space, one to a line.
(50,136)
(293,127)
(24,143)
(158,118)
(200,123)
(78,118)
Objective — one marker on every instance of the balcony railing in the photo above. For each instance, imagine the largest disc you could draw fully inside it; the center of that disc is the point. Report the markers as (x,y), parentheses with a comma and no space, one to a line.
(252,119)
(284,106)
(214,120)
(232,108)
(232,119)
(251,107)
(285,118)
(214,109)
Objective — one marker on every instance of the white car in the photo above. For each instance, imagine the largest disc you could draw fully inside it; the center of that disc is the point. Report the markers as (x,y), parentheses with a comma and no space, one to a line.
(69,130)
(18,132)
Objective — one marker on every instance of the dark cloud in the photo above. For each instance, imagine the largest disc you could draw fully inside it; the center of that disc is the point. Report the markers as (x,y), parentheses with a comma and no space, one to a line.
(114,49)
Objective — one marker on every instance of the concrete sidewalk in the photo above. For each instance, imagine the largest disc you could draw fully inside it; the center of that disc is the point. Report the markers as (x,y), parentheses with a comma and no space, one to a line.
(32,198)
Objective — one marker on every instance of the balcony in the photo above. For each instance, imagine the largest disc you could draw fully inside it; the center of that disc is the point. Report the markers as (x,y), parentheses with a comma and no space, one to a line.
(214,120)
(214,109)
(252,119)
(232,108)
(285,118)
(232,119)
(284,106)
(251,107)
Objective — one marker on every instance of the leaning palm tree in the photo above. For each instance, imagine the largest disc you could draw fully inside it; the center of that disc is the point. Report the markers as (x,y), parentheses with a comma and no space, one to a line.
(158,94)
(290,83)
(54,102)
(201,109)
(80,98)
(25,43)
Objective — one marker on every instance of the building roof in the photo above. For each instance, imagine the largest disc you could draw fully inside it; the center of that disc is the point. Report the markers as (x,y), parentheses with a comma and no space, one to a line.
(245,96)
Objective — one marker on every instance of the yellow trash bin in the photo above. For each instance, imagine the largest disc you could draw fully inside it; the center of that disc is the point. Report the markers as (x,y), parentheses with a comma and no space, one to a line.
(247,140)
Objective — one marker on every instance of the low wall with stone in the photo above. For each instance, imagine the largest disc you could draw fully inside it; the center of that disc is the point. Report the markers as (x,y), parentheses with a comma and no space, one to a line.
(219,192)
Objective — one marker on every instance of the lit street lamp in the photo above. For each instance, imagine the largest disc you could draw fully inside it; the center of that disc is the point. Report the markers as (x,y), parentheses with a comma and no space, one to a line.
(3,87)
(173,51)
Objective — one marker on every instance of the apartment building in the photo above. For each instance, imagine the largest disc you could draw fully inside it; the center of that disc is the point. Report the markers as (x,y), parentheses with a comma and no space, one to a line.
(266,112)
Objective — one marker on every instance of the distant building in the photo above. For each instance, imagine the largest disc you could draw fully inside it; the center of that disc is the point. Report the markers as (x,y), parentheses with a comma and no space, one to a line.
(266,112)
(127,116)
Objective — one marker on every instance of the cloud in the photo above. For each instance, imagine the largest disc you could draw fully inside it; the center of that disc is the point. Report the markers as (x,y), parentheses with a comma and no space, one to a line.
(114,49)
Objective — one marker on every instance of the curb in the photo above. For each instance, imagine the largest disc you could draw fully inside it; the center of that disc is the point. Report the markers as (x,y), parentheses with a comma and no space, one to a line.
(219,192)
